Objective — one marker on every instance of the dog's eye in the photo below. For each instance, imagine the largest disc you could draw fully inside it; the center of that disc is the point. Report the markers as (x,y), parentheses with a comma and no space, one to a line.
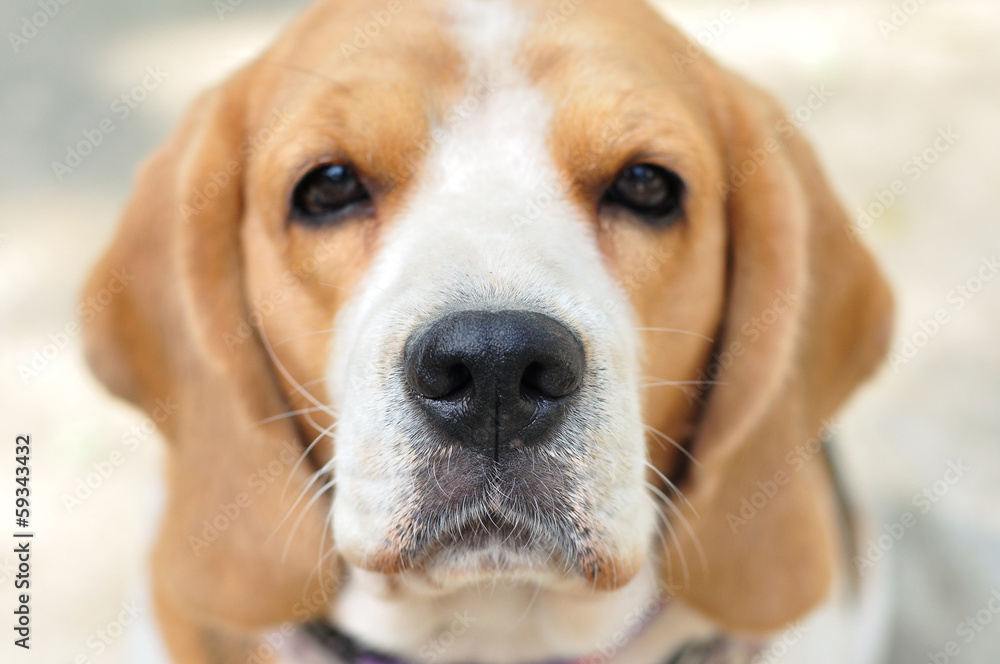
(651,192)
(326,191)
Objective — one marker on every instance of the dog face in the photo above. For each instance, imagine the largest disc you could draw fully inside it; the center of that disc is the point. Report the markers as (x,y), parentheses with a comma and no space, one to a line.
(505,267)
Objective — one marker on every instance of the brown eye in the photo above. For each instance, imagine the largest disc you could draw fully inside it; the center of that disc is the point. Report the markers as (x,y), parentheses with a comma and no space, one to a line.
(650,192)
(326,193)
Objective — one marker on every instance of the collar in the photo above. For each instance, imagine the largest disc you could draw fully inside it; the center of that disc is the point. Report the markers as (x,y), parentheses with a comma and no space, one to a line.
(331,644)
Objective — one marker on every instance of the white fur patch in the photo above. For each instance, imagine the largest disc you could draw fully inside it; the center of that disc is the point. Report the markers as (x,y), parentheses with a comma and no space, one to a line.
(489,227)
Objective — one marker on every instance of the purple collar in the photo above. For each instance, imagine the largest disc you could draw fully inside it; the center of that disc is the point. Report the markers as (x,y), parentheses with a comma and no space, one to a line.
(717,650)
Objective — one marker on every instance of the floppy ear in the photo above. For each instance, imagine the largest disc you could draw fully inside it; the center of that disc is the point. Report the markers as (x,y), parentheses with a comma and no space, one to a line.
(159,343)
(809,318)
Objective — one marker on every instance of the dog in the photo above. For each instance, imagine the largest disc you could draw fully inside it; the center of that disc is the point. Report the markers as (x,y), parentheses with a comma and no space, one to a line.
(499,331)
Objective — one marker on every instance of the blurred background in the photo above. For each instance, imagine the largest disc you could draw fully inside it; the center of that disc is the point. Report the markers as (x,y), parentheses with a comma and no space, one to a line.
(901,99)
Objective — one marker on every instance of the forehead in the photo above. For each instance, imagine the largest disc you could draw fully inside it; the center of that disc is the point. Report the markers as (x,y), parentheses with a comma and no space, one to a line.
(385,76)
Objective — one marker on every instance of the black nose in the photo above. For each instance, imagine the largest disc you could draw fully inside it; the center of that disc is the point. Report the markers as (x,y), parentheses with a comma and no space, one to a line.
(494,380)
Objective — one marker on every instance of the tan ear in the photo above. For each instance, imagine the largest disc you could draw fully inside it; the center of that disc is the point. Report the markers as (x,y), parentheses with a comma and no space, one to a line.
(219,557)
(809,317)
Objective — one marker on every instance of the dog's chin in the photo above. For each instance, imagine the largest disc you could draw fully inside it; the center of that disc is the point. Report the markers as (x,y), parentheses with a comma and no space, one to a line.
(492,550)
(454,570)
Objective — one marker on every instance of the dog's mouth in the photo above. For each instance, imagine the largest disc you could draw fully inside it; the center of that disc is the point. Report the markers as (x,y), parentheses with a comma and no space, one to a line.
(491,530)
(490,545)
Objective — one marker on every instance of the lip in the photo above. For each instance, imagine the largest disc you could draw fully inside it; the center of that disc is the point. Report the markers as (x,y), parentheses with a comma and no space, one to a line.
(485,540)
(491,546)
(489,531)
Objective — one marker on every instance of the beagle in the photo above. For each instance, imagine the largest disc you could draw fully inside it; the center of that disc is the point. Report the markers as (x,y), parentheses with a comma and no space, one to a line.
(501,331)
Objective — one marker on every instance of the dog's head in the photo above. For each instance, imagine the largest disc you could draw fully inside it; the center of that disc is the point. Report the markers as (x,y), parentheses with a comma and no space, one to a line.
(544,293)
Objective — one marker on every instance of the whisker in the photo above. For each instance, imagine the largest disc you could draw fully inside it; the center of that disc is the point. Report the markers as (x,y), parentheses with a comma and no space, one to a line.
(673,535)
(702,558)
(306,334)
(302,457)
(673,383)
(322,557)
(670,329)
(302,515)
(302,494)
(666,480)
(673,442)
(433,466)
(284,372)
(313,423)
(309,72)
(291,413)
(531,603)
(660,516)
(348,291)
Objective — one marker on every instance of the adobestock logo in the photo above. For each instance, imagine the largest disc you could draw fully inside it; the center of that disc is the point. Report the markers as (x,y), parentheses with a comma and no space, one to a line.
(968,630)
(929,328)
(796,460)
(913,169)
(709,30)
(56,342)
(900,15)
(430,652)
(924,501)
(99,642)
(121,108)
(259,481)
(32,25)
(88,485)
(364,35)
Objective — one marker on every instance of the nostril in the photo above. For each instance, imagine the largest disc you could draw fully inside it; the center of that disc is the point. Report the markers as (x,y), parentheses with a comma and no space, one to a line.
(459,382)
(530,382)
(440,381)
(549,380)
